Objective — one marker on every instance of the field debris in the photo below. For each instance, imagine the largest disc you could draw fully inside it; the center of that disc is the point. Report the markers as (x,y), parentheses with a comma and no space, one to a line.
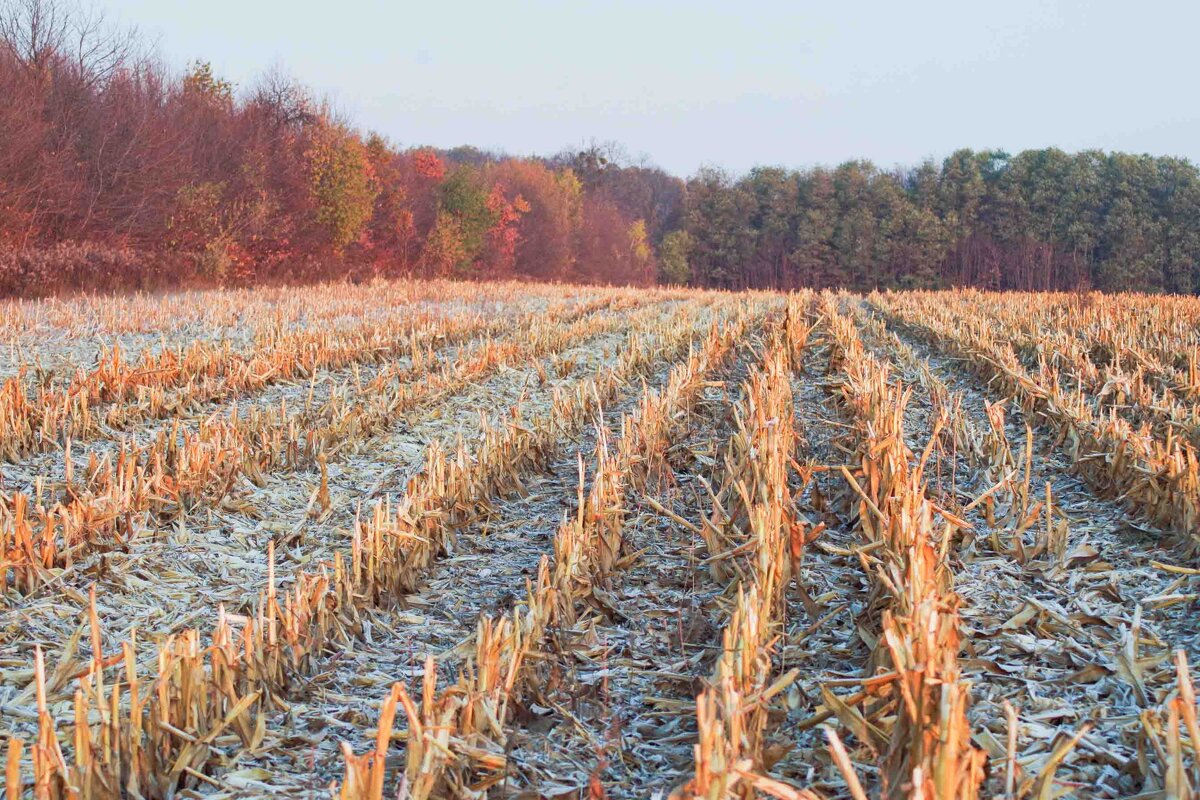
(433,540)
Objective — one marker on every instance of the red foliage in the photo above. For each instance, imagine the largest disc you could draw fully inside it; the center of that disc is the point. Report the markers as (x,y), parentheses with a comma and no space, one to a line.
(606,253)
(504,233)
(428,165)
(549,227)
(171,181)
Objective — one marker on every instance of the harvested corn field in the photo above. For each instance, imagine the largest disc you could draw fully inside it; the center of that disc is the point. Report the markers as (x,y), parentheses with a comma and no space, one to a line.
(429,539)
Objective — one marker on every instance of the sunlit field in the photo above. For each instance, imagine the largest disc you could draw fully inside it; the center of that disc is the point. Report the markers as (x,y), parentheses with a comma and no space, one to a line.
(432,539)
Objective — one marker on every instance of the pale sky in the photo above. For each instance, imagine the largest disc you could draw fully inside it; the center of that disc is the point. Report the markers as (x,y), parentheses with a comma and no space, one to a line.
(731,84)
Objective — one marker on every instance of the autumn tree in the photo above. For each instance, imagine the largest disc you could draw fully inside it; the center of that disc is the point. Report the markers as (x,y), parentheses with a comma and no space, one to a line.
(500,255)
(341,183)
(185,177)
(549,222)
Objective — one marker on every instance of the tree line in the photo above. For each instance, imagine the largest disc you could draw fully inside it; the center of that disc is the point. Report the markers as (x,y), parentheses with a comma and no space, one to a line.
(1040,219)
(118,173)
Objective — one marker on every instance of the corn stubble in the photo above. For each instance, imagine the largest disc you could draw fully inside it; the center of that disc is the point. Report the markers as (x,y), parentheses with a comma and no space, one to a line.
(754,537)
(181,470)
(913,716)
(457,738)
(135,443)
